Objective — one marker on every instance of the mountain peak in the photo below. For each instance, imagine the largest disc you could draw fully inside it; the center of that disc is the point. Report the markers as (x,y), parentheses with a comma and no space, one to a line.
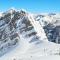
(11,10)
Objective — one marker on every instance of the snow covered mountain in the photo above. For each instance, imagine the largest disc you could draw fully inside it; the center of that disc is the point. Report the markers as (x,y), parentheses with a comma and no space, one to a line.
(25,34)
(51,25)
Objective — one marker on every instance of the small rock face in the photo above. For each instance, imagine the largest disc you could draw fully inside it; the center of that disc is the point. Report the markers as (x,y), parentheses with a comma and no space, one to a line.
(53,33)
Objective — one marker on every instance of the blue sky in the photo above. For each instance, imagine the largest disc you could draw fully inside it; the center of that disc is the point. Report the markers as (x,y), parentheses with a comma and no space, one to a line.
(31,5)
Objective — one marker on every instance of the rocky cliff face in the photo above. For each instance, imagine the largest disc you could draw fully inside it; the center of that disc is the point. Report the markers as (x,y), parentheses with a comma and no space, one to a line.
(8,35)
